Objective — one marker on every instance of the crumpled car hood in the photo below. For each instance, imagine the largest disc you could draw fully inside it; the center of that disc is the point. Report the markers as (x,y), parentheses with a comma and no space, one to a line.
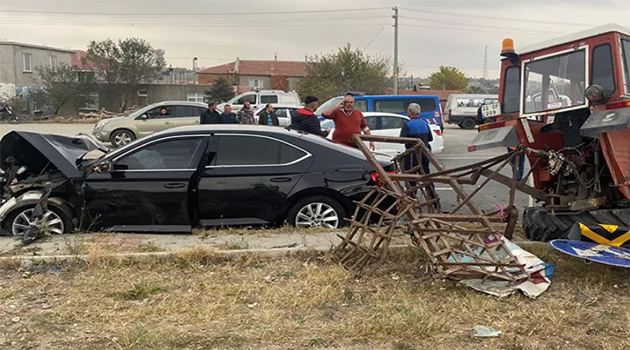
(36,151)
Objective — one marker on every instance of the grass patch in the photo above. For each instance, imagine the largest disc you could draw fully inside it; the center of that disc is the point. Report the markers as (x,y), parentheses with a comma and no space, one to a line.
(263,231)
(196,299)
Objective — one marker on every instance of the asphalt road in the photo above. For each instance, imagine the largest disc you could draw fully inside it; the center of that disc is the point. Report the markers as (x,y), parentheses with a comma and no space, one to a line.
(455,154)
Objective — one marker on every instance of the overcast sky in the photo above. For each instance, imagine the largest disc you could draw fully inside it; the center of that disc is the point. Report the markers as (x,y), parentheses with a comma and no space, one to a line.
(432,33)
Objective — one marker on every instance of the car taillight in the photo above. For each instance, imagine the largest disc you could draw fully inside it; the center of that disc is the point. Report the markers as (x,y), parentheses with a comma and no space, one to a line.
(437,132)
(616,105)
(491,126)
(376,178)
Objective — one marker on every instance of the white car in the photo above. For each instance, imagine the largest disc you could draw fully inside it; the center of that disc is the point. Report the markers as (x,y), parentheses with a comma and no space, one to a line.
(389,124)
(259,98)
(283,112)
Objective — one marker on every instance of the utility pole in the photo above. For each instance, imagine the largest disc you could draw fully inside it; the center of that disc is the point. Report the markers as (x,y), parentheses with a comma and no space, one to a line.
(485,63)
(395,50)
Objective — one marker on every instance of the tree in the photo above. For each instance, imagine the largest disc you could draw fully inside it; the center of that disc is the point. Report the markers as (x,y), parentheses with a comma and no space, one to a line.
(476,90)
(346,70)
(220,91)
(123,65)
(61,87)
(448,78)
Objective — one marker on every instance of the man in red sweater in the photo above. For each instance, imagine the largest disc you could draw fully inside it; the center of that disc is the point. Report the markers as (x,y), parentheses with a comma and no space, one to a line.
(348,122)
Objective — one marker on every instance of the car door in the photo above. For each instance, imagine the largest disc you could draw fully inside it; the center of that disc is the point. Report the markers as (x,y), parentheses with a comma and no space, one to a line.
(153,121)
(147,189)
(248,178)
(188,115)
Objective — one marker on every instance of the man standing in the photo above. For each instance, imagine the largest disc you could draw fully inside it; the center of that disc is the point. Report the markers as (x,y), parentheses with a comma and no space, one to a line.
(227,117)
(268,117)
(210,115)
(348,122)
(418,128)
(245,115)
(305,120)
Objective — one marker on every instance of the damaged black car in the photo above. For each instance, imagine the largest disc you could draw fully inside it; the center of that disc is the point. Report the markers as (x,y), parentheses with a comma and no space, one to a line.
(179,179)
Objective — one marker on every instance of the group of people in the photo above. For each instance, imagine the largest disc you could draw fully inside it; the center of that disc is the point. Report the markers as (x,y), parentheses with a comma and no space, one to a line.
(244,116)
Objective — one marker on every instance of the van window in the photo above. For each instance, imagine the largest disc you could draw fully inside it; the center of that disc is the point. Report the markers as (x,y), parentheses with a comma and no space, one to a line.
(251,98)
(470,102)
(512,90)
(602,66)
(360,105)
(264,99)
(399,106)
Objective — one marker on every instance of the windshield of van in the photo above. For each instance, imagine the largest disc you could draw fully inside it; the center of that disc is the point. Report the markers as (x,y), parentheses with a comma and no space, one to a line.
(328,104)
(562,76)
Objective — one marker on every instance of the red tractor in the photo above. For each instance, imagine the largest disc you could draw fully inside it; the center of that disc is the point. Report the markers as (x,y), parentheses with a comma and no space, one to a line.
(566,103)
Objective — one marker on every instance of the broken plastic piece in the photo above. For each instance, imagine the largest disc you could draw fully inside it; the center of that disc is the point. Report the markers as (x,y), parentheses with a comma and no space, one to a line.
(486,332)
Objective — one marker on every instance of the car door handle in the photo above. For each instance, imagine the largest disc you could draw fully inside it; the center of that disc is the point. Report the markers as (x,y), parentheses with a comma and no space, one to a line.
(168,123)
(175,185)
(280,179)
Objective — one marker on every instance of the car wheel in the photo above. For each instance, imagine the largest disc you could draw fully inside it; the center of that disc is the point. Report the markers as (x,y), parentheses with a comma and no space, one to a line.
(54,221)
(121,138)
(468,123)
(316,211)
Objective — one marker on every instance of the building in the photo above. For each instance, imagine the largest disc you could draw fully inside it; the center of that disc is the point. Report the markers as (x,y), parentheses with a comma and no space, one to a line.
(18,63)
(275,75)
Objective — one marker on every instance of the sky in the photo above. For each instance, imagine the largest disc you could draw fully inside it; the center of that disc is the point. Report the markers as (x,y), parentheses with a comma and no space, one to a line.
(431,33)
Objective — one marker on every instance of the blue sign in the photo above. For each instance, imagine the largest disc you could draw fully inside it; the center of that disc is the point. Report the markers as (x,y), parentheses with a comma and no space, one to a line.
(600,253)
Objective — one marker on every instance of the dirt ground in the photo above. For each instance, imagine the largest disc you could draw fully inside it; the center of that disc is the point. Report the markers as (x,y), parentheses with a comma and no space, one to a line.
(198,300)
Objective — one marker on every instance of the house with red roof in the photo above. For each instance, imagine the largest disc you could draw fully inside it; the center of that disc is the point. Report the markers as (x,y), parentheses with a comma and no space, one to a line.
(251,74)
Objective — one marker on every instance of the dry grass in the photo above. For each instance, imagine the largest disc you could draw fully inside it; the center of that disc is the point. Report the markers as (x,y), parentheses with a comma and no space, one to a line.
(263,231)
(200,300)
(109,243)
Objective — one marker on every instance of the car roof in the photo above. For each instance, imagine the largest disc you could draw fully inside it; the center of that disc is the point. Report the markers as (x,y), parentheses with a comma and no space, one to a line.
(181,103)
(373,114)
(275,105)
(394,97)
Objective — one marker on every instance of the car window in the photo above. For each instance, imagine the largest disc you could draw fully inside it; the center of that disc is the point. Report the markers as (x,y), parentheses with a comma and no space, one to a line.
(166,155)
(390,122)
(251,150)
(399,106)
(371,122)
(161,112)
(247,98)
(185,111)
(268,99)
(361,105)
(280,112)
(199,111)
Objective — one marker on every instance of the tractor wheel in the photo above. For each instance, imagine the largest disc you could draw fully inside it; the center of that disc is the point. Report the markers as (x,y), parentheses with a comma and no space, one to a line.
(539,225)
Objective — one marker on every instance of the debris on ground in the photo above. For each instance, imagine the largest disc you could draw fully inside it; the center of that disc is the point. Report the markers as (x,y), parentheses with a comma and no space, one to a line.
(105,114)
(486,332)
(462,244)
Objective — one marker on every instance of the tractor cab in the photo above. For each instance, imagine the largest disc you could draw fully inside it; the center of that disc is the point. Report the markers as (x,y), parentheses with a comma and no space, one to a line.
(568,97)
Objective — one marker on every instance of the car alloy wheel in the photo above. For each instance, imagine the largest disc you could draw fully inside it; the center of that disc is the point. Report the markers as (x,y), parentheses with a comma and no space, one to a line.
(50,223)
(122,139)
(317,215)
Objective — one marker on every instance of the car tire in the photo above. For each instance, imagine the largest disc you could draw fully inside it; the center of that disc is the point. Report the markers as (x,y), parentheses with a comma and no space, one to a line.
(300,216)
(121,137)
(65,226)
(468,123)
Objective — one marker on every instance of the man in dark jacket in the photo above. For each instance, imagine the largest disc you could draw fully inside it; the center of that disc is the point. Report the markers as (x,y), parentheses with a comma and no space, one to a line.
(268,117)
(210,115)
(228,117)
(305,120)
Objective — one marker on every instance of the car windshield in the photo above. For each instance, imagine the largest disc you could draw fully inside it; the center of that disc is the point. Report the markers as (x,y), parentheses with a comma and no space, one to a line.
(327,124)
(562,77)
(329,104)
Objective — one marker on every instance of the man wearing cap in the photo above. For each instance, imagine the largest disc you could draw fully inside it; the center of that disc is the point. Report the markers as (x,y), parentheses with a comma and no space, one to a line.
(210,115)
(305,120)
(348,121)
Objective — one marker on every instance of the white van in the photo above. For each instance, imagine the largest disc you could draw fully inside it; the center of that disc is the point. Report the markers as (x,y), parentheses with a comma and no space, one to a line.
(259,98)
(462,109)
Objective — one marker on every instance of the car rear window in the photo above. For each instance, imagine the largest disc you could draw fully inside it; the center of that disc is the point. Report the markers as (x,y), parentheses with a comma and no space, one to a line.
(399,106)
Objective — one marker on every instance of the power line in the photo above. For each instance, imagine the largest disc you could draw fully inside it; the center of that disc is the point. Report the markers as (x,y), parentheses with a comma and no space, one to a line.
(165,25)
(468,26)
(475,30)
(214,14)
(510,19)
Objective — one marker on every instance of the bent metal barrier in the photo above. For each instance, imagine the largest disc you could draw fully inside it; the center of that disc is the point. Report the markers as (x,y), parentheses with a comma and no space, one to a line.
(461,243)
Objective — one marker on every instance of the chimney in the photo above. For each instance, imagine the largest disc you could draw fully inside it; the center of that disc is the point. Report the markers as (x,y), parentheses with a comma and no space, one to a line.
(275,56)
(237,65)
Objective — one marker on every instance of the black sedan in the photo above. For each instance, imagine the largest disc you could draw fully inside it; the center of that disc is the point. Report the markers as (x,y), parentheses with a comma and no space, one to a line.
(172,181)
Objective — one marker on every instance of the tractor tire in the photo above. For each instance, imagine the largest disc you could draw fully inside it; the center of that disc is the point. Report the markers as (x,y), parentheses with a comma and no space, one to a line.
(539,225)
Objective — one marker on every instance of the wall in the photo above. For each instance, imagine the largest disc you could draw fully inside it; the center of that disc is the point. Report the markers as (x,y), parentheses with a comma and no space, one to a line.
(7,75)
(294,83)
(156,93)
(208,79)
(244,80)
(11,64)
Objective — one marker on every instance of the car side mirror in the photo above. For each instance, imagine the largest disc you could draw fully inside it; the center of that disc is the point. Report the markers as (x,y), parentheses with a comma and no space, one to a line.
(103,167)
(143,117)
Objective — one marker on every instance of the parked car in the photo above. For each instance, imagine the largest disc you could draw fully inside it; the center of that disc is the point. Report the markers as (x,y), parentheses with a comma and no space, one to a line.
(145,121)
(283,112)
(172,181)
(462,109)
(389,124)
(259,98)
(397,104)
